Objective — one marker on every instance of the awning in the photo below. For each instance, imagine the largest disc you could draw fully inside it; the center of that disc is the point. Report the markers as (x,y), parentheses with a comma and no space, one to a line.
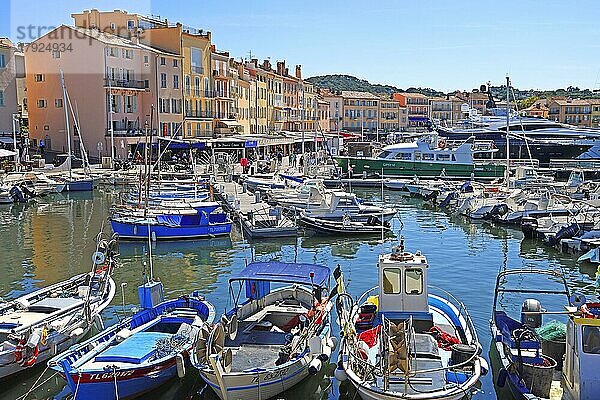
(284,273)
(7,153)
(418,119)
(230,124)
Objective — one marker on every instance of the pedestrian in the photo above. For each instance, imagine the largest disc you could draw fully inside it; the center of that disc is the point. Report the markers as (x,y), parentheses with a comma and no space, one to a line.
(279,157)
(301,162)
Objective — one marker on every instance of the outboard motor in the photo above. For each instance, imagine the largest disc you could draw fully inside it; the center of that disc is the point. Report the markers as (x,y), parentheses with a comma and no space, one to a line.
(17,195)
(497,211)
(566,232)
(531,320)
(529,226)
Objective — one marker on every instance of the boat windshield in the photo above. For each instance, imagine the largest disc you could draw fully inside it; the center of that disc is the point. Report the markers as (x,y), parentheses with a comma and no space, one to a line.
(591,339)
(385,154)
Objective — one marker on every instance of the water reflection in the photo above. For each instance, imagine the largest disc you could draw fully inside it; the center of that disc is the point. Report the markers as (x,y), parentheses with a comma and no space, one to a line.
(52,239)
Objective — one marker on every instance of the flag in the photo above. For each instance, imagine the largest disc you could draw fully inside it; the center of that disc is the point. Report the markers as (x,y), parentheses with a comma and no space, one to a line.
(339,282)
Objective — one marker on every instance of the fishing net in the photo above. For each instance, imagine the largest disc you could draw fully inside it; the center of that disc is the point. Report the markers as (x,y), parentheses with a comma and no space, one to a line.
(553,330)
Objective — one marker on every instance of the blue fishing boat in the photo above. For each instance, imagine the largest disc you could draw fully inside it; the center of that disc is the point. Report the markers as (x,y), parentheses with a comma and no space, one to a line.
(140,353)
(529,362)
(202,221)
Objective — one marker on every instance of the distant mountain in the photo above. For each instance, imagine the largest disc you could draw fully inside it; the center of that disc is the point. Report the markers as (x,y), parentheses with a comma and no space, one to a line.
(347,82)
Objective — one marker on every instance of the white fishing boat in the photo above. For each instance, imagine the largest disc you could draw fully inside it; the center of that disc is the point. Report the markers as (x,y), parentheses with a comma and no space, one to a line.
(403,341)
(39,325)
(275,338)
(336,205)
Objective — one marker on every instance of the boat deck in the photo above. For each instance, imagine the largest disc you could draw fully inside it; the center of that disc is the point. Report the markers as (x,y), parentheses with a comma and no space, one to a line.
(249,357)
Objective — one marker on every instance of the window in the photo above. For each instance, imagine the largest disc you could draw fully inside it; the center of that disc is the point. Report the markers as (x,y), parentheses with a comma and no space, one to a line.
(116,104)
(112,52)
(56,54)
(112,26)
(443,157)
(2,61)
(146,60)
(176,81)
(58,103)
(41,103)
(1,98)
(428,157)
(130,24)
(175,63)
(128,54)
(414,281)
(591,339)
(163,80)
(197,86)
(163,61)
(196,60)
(40,78)
(391,281)
(188,84)
(404,156)
(130,104)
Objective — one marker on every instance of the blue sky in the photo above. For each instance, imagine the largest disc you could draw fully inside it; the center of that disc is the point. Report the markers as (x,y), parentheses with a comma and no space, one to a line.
(446,45)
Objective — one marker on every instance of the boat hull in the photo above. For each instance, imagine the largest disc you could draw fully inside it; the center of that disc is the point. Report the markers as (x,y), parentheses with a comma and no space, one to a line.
(132,231)
(130,383)
(80,185)
(259,385)
(399,168)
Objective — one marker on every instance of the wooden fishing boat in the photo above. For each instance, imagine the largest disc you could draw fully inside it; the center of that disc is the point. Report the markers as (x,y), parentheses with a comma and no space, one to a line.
(275,338)
(372,226)
(39,325)
(405,340)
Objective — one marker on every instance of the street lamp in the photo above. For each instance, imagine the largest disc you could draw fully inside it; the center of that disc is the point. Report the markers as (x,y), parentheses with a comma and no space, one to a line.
(15,119)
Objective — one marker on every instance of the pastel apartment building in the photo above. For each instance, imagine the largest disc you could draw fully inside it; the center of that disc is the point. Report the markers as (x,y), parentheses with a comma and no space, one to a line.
(11,70)
(360,111)
(115,86)
(417,106)
(571,111)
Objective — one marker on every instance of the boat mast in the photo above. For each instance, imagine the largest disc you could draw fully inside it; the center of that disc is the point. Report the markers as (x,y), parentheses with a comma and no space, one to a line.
(507,133)
(65,105)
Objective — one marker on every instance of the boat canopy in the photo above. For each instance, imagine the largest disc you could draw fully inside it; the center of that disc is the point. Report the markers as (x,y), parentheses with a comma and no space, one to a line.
(275,271)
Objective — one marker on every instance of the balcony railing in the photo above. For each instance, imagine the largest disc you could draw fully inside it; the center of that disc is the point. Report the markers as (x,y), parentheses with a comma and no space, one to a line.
(199,114)
(125,83)
(197,69)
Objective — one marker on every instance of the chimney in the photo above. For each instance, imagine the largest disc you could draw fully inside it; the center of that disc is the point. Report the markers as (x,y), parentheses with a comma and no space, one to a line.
(299,71)
(280,67)
(286,71)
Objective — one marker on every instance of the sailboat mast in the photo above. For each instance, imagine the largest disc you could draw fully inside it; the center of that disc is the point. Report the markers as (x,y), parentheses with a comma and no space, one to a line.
(65,105)
(507,133)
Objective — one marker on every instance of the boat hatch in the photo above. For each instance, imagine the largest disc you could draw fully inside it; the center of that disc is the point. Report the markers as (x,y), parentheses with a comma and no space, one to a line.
(135,349)
(52,304)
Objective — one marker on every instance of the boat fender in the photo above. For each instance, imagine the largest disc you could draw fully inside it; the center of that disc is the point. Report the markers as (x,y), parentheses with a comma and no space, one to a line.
(324,356)
(316,345)
(153,234)
(362,354)
(34,339)
(485,367)
(315,366)
(99,323)
(123,334)
(180,362)
(340,374)
(332,342)
(76,332)
(502,375)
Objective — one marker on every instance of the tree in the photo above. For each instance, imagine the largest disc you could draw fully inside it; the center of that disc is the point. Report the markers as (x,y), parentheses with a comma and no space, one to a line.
(527,102)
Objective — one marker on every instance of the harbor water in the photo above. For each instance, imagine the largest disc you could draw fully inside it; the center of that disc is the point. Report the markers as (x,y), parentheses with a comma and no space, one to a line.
(51,239)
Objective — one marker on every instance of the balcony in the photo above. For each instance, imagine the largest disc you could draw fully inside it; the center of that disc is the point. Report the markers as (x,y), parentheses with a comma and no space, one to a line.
(125,84)
(121,129)
(197,69)
(223,94)
(199,114)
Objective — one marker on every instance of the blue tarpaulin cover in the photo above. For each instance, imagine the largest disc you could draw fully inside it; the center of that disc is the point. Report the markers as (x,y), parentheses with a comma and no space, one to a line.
(135,349)
(275,271)
(591,153)
(171,220)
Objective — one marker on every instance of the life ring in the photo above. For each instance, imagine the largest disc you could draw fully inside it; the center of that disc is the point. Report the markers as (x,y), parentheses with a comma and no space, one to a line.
(19,350)
(32,359)
(362,354)
(441,143)
(101,270)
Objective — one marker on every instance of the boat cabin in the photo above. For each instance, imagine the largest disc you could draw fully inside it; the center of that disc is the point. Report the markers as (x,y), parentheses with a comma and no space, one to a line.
(421,151)
(403,287)
(582,357)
